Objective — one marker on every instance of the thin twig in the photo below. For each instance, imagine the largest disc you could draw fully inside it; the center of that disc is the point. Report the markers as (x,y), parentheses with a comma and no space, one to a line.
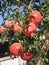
(30,3)
(23,4)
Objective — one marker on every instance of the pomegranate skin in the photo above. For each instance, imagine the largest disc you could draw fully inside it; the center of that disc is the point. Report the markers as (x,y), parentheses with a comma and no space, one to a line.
(16,49)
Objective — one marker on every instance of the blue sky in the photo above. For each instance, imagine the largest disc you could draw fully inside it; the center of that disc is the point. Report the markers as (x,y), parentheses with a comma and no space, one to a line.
(21,9)
(1,18)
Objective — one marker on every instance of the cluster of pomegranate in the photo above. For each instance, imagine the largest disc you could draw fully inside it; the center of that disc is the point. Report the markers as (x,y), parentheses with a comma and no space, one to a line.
(35,18)
(16,49)
(13,26)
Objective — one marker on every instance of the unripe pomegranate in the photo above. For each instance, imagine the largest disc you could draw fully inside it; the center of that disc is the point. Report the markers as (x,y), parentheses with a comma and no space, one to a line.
(7,24)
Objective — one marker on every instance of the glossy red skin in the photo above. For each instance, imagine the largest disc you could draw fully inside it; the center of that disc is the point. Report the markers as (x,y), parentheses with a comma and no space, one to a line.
(16,49)
(29,29)
(27,55)
(1,29)
(35,17)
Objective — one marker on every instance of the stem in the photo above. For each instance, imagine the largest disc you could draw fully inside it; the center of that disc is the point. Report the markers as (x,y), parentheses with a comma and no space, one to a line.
(30,3)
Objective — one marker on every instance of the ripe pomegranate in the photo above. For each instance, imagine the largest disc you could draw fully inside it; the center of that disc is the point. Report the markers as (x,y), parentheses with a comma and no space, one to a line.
(26,55)
(16,49)
(35,17)
(1,29)
(15,27)
(29,29)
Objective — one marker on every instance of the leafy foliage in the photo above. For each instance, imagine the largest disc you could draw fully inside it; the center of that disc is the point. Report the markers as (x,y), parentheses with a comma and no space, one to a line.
(34,44)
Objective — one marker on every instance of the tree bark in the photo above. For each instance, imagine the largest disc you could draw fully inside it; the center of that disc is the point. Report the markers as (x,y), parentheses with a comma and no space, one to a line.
(45,47)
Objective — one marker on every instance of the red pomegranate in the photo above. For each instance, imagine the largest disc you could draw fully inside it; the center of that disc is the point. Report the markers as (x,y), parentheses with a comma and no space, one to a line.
(27,55)
(15,27)
(35,17)
(16,49)
(29,29)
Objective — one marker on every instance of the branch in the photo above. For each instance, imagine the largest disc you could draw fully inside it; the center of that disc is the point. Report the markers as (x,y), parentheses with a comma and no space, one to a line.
(26,5)
(30,3)
(23,4)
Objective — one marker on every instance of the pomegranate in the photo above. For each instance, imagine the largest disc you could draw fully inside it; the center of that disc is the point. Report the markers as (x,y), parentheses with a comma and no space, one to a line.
(29,29)
(35,17)
(16,49)
(27,55)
